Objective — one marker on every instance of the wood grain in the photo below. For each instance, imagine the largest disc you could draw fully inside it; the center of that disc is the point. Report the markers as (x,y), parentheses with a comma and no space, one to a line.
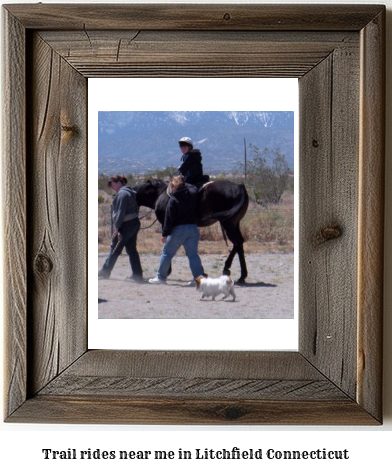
(57,222)
(264,54)
(207,375)
(371,215)
(193,17)
(338,54)
(208,364)
(329,199)
(155,411)
(14,223)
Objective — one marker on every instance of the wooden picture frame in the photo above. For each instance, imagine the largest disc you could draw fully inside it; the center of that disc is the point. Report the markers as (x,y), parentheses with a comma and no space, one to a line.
(338,54)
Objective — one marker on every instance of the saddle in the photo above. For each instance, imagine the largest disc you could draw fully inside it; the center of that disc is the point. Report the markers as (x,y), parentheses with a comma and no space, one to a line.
(205,185)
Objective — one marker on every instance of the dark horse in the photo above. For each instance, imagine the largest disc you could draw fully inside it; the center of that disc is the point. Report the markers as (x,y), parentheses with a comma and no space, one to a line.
(219,201)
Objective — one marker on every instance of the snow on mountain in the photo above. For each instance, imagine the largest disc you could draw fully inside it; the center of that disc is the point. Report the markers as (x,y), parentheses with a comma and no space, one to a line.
(141,141)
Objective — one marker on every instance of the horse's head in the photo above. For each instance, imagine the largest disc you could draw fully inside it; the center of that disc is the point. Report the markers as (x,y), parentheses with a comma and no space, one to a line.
(147,193)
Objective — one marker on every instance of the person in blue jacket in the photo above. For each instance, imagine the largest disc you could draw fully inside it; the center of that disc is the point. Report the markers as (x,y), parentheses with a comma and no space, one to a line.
(125,226)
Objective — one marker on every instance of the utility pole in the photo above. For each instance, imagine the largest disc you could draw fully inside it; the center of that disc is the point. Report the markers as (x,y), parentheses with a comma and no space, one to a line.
(245,155)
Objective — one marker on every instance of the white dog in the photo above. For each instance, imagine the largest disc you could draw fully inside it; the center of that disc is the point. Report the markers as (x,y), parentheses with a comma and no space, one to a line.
(215,286)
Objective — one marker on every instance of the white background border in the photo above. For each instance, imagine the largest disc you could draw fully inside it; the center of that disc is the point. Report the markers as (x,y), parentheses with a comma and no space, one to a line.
(21,444)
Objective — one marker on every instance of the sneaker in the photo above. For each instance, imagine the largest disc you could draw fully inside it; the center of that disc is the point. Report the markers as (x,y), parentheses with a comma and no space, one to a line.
(103,276)
(192,283)
(157,280)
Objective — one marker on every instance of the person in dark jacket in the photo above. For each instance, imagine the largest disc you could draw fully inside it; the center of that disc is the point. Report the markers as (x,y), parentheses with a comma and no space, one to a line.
(180,229)
(191,167)
(125,226)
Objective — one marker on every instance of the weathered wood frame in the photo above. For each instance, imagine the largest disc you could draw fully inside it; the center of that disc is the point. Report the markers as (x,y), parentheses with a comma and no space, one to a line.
(337,52)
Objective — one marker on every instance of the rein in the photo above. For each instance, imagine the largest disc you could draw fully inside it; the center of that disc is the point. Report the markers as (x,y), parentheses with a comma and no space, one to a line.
(144,228)
(146,215)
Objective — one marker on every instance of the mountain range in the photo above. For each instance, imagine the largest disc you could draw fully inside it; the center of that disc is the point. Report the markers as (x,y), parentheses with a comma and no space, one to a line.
(139,142)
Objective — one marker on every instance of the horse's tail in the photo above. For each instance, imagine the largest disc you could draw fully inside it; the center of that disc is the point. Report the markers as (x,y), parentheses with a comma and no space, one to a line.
(241,205)
(224,234)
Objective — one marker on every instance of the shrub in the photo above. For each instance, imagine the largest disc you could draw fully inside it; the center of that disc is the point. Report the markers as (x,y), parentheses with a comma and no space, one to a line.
(267,175)
(213,233)
(271,224)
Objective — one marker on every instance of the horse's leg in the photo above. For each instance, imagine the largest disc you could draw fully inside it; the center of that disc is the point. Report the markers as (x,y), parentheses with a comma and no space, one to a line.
(229,261)
(241,255)
(244,270)
(234,234)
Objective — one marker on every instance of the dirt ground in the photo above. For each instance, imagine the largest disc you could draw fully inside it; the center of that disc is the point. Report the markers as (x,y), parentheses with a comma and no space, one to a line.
(267,294)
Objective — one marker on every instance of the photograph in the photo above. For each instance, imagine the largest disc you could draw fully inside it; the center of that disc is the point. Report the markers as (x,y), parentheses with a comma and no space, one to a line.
(196,214)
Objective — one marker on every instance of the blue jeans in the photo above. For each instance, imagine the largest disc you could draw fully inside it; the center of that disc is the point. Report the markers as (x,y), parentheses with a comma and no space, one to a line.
(188,236)
(128,232)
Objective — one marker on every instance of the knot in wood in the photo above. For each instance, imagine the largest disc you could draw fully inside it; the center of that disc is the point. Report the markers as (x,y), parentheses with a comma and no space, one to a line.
(69,129)
(315,143)
(227,16)
(43,264)
(232,413)
(328,233)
